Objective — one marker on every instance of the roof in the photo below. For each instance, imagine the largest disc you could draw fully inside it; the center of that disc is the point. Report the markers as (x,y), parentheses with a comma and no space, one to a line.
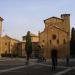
(53,17)
(6,36)
(33,34)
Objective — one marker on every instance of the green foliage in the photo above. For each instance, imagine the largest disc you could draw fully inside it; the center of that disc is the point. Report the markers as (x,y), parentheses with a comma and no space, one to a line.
(73,34)
(28,43)
(72,42)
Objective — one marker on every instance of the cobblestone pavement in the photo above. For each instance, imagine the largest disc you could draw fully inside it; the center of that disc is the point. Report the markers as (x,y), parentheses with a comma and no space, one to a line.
(18,67)
(31,70)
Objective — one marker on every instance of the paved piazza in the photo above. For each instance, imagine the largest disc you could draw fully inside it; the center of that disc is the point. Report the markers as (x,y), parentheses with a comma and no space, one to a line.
(17,66)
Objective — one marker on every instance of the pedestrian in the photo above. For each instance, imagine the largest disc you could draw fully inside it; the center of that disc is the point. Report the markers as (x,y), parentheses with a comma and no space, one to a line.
(54,59)
(67,61)
(44,59)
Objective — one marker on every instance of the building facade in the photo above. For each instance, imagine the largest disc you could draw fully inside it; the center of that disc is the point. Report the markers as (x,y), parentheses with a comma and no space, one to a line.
(35,43)
(8,45)
(21,49)
(56,35)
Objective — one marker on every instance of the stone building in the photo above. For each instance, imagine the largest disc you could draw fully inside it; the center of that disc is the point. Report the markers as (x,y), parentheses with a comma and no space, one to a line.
(35,43)
(34,38)
(21,49)
(56,35)
(8,45)
(12,46)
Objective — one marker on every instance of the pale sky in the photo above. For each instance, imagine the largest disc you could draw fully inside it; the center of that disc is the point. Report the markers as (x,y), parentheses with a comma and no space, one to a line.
(23,15)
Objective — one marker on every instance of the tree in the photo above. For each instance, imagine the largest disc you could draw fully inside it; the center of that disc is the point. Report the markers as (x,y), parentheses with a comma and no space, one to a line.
(72,42)
(73,34)
(28,46)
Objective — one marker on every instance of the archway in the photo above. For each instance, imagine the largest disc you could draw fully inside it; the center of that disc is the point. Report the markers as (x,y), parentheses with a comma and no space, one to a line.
(54,53)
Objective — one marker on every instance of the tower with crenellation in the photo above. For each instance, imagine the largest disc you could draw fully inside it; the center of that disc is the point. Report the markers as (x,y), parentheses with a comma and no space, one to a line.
(66,23)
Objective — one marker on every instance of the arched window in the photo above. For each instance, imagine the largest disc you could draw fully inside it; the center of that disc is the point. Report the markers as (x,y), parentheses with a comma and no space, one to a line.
(64,41)
(42,45)
(57,41)
(53,36)
(43,40)
(50,41)
(5,43)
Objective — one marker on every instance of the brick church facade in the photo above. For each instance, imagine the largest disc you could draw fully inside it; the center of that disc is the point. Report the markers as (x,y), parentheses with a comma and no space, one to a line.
(56,35)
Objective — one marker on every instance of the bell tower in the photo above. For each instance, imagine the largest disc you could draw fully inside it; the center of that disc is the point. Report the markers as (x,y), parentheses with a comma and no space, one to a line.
(66,18)
(1,19)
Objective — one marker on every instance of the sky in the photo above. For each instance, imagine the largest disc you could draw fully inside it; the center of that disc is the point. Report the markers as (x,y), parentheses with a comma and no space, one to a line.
(21,16)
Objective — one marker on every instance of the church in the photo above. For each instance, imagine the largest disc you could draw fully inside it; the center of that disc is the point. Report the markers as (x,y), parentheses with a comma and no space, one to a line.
(8,45)
(56,35)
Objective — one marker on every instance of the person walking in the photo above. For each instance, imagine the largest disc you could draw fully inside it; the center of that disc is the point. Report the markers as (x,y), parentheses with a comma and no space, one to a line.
(67,61)
(54,59)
